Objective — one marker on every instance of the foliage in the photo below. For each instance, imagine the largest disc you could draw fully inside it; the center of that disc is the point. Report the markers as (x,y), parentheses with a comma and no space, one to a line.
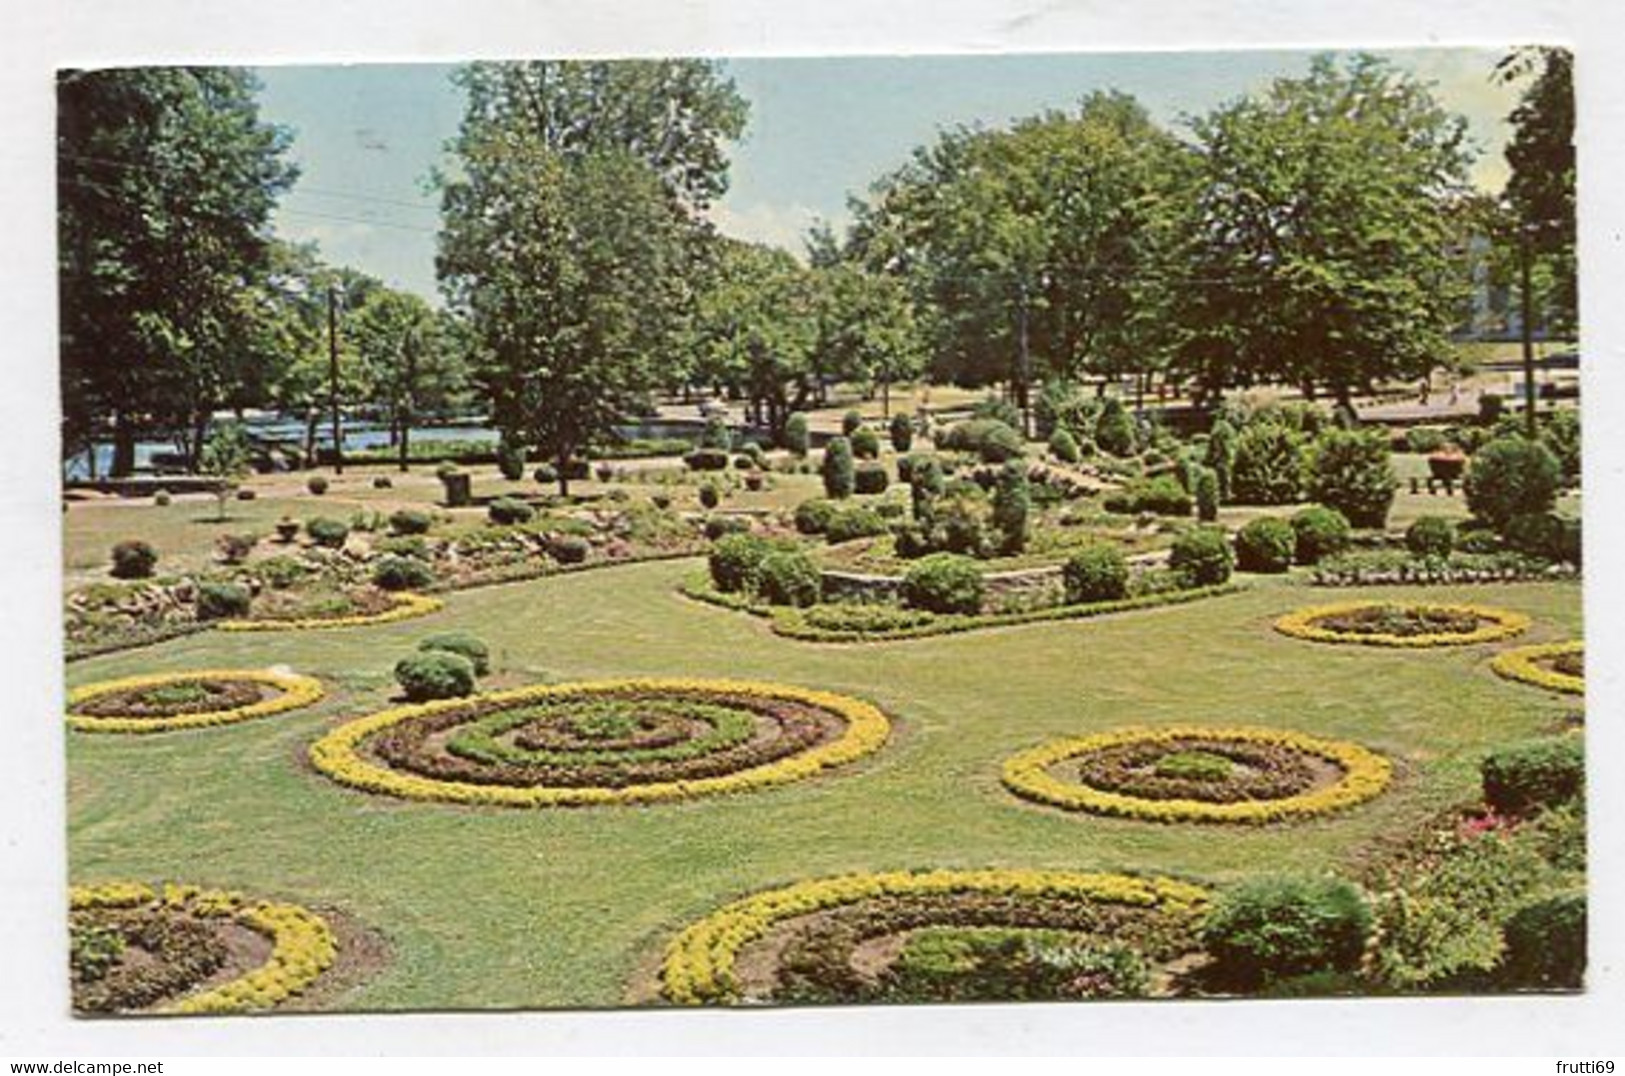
(394,572)
(1560,433)
(1221,454)
(1269,465)
(1540,188)
(410,521)
(325,531)
(1273,928)
(1096,573)
(465,643)
(870,476)
(1064,446)
(1114,429)
(990,439)
(1320,532)
(1162,495)
(1534,775)
(316,484)
(795,434)
(901,431)
(434,674)
(1206,494)
(510,460)
(1546,944)
(789,577)
(710,495)
(1431,536)
(1350,471)
(855,521)
(133,559)
(1265,544)
(216,601)
(812,517)
(735,562)
(837,468)
(944,583)
(1012,504)
(1511,477)
(505,511)
(1202,555)
(1548,537)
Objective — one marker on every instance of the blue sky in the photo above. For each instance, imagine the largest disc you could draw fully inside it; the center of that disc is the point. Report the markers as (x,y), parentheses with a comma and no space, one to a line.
(367,136)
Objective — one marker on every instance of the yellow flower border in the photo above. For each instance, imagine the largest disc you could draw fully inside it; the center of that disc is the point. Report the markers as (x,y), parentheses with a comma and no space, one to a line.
(1366,775)
(407,606)
(699,963)
(1521,663)
(336,753)
(1504,624)
(297,692)
(302,944)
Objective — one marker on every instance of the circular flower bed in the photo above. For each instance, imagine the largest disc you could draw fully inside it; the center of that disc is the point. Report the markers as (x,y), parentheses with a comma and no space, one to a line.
(1188,774)
(182,949)
(1393,624)
(619,741)
(398,605)
(945,935)
(1557,666)
(188,700)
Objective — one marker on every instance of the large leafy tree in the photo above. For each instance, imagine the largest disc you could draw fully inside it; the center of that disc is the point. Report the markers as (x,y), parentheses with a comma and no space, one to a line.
(1540,186)
(410,359)
(166,179)
(867,329)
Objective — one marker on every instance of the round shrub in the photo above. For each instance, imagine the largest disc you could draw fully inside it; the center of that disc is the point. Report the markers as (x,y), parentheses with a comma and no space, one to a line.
(1096,573)
(1549,537)
(511,461)
(902,432)
(707,459)
(1265,544)
(944,583)
(327,532)
(1268,465)
(1431,536)
(444,468)
(468,645)
(1064,447)
(1546,944)
(865,443)
(246,494)
(1202,555)
(1490,408)
(1000,443)
(1114,429)
(161,498)
(317,484)
(1270,929)
(812,517)
(838,471)
(1206,491)
(722,526)
(1525,777)
(710,495)
(1511,477)
(858,521)
(1012,504)
(133,559)
(735,562)
(604,472)
(395,572)
(1350,471)
(568,548)
(1319,532)
(509,510)
(789,577)
(382,481)
(796,437)
(850,423)
(546,475)
(436,674)
(410,521)
(870,477)
(660,499)
(217,601)
(1162,495)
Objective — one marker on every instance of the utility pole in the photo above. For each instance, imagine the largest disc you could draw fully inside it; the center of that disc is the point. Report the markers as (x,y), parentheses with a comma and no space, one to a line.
(333,375)
(1526,316)
(1025,363)
(407,397)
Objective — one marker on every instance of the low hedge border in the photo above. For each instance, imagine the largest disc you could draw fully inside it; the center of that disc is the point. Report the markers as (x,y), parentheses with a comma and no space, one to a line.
(1504,624)
(407,606)
(699,964)
(792,624)
(1523,664)
(302,944)
(337,756)
(297,692)
(1366,775)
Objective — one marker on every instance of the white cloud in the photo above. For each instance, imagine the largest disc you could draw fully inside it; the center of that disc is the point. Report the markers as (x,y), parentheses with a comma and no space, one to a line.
(783,226)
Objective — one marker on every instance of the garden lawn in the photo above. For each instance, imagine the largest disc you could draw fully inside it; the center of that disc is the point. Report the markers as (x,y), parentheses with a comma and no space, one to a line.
(485,908)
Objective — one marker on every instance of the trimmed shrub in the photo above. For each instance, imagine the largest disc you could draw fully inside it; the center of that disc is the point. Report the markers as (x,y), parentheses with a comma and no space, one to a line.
(990,439)
(246,494)
(1350,471)
(382,481)
(1561,436)
(217,601)
(735,562)
(1096,573)
(719,526)
(944,583)
(161,498)
(505,511)
(838,468)
(1064,447)
(1490,408)
(902,432)
(604,472)
(660,499)
(468,645)
(1162,495)
(410,521)
(1546,944)
(1207,494)
(710,495)
(789,577)
(707,459)
(1202,556)
(812,517)
(133,559)
(546,475)
(1548,537)
(436,674)
(328,532)
(1114,429)
(796,437)
(444,468)
(1012,505)
(1319,532)
(1268,466)
(1221,454)
(1431,536)
(865,443)
(317,484)
(870,477)
(1511,477)
(568,548)
(1265,544)
(1526,777)
(511,461)
(394,572)
(1424,439)
(851,422)
(1269,929)
(855,521)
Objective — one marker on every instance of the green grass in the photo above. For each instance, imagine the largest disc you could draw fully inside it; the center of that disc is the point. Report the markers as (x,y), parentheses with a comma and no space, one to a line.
(488,908)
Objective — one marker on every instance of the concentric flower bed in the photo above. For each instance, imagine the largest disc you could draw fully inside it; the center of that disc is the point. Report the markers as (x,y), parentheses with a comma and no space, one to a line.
(1556,666)
(396,606)
(1190,774)
(1396,624)
(621,741)
(166,701)
(947,935)
(181,949)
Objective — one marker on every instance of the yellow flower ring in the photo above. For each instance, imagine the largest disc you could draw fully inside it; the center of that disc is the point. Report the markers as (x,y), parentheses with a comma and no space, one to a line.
(1524,663)
(699,963)
(302,944)
(296,692)
(406,606)
(1501,624)
(1365,775)
(338,756)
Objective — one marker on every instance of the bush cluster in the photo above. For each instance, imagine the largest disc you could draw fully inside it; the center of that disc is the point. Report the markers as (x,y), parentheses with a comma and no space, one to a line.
(395,572)
(410,521)
(865,443)
(1319,532)
(434,674)
(218,600)
(812,517)
(1511,477)
(1271,929)
(133,559)
(327,532)
(1431,536)
(990,439)
(1532,776)
(465,643)
(1351,471)
(1202,556)
(505,511)
(851,522)
(1114,429)
(1096,573)
(944,583)
(1162,495)
(1266,544)
(1268,465)
(870,477)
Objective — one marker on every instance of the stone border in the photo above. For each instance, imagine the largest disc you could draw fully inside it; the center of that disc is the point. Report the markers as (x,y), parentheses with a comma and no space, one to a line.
(297,692)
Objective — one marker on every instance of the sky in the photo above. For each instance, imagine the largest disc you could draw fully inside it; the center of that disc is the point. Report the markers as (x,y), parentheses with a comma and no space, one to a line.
(366,137)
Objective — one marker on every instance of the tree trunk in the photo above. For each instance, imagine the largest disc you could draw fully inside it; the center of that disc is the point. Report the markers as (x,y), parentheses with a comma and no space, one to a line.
(406,445)
(200,430)
(564,472)
(885,399)
(123,446)
(312,417)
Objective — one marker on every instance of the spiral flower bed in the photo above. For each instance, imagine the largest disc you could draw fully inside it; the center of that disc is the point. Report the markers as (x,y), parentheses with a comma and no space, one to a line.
(170,950)
(1191,774)
(870,937)
(1555,666)
(618,741)
(188,700)
(1398,624)
(401,606)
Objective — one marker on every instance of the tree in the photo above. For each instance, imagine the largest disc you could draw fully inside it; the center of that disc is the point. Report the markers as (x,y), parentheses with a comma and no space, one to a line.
(410,362)
(227,458)
(1540,186)
(866,329)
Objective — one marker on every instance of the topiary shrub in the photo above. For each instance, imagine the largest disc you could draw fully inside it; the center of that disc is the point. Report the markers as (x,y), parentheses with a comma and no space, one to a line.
(856,521)
(436,674)
(511,460)
(1548,537)
(327,532)
(1162,495)
(546,475)
(796,437)
(870,477)
(506,511)
(1319,532)
(838,468)
(1221,454)
(707,459)
(161,498)
(812,517)
(1350,471)
(1274,928)
(1012,505)
(1114,429)
(721,526)
(735,562)
(1096,573)
(710,495)
(382,481)
(1431,536)
(568,548)
(217,601)
(1490,408)
(1511,477)
(1202,556)
(865,443)
(1268,466)
(133,559)
(944,583)
(851,422)
(1064,447)
(1266,544)
(1526,777)
(992,440)
(789,577)
(395,572)
(1546,945)
(410,521)
(1206,493)
(468,645)
(317,484)
(246,494)
(902,432)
